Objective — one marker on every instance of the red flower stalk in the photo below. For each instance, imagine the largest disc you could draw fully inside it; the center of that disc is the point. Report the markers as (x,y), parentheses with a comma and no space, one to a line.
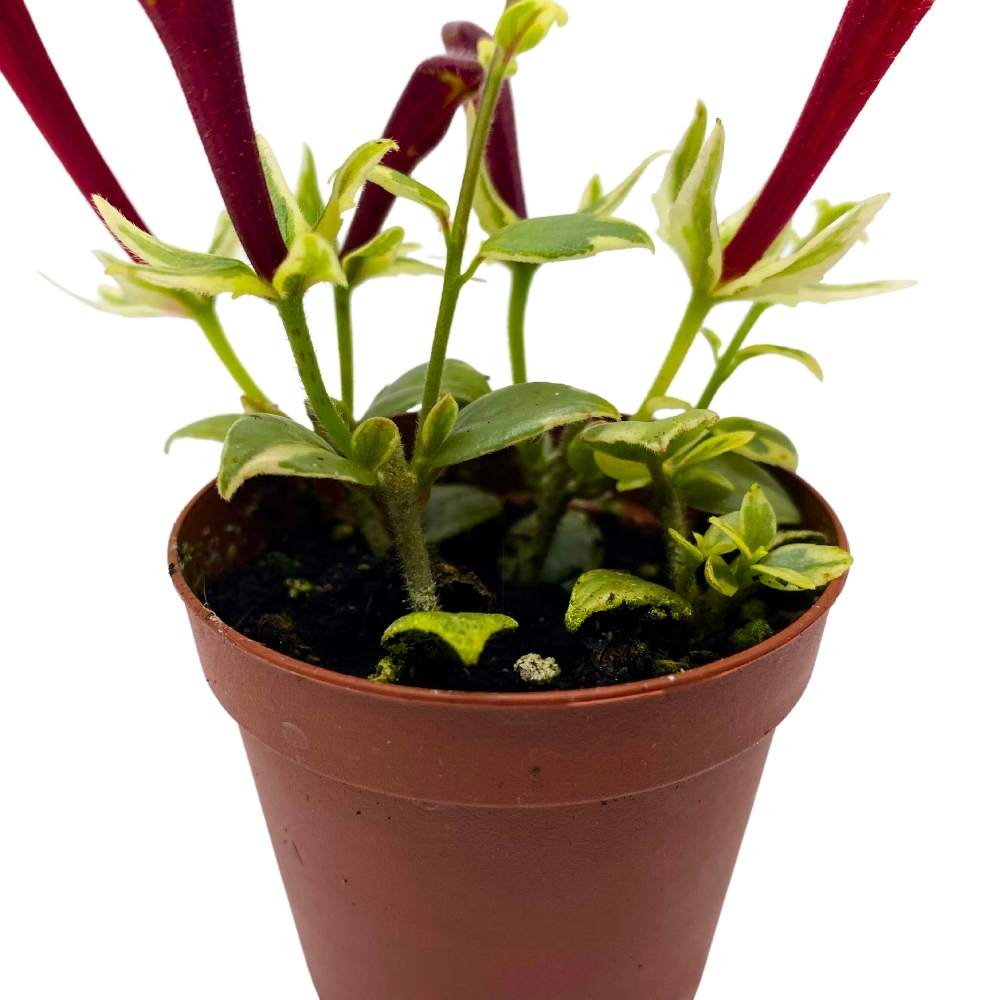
(200,39)
(503,162)
(30,73)
(870,36)
(438,87)
(436,90)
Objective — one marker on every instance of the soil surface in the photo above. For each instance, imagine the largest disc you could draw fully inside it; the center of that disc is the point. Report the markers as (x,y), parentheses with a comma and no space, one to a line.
(317,594)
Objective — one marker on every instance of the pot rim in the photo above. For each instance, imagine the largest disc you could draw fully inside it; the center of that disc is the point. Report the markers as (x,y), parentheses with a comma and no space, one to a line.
(529,699)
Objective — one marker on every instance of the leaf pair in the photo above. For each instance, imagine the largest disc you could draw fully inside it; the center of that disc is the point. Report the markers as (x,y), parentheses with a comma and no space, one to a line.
(685,203)
(779,560)
(711,462)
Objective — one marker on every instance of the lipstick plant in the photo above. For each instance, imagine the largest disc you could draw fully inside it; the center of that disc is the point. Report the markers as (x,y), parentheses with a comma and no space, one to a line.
(731,540)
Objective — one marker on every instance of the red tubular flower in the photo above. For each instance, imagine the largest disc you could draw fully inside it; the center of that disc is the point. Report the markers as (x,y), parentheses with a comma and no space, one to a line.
(200,39)
(870,36)
(29,71)
(436,90)
(503,162)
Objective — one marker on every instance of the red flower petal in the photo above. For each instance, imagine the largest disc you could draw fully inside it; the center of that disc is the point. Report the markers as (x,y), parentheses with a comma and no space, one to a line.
(868,39)
(28,69)
(418,123)
(503,161)
(200,38)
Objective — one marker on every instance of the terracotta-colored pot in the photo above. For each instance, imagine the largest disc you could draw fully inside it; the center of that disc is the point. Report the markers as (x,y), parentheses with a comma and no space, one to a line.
(442,845)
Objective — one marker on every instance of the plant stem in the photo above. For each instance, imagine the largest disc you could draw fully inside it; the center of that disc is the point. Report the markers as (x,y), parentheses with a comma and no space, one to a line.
(698,308)
(672,515)
(453,277)
(345,345)
(208,319)
(398,492)
(724,366)
(553,495)
(521,276)
(370,521)
(293,316)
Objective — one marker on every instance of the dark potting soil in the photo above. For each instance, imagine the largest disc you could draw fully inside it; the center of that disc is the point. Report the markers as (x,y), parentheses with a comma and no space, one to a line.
(318,595)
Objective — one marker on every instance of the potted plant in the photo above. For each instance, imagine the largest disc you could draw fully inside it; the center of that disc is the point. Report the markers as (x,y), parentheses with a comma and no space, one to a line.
(506,669)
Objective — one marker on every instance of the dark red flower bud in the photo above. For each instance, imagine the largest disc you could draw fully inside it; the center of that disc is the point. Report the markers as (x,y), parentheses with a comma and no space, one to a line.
(503,161)
(868,39)
(200,39)
(436,90)
(29,71)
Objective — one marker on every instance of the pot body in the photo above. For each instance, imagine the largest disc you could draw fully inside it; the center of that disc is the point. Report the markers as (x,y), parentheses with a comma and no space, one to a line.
(451,846)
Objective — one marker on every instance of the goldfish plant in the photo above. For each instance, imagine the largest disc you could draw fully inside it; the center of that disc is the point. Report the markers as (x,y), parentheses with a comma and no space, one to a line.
(732,560)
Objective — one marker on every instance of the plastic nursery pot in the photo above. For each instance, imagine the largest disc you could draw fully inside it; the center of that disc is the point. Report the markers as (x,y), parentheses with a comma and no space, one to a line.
(441,845)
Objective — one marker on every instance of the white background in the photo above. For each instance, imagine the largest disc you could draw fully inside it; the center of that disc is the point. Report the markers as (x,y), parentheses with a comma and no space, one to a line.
(134,862)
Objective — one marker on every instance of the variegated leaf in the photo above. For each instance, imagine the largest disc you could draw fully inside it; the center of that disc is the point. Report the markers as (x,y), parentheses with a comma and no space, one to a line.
(605,204)
(563,237)
(403,186)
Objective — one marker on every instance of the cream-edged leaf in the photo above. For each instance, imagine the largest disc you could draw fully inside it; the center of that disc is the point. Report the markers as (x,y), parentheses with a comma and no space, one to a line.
(311,259)
(804,358)
(602,590)
(518,413)
(525,23)
(348,181)
(801,566)
(207,429)
(268,445)
(307,191)
(563,237)
(823,293)
(465,633)
(605,204)
(403,186)
(291,221)
(220,277)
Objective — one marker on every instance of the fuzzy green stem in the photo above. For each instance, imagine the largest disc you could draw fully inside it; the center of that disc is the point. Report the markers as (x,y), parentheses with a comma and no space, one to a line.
(208,319)
(521,276)
(554,494)
(724,366)
(293,316)
(672,515)
(370,522)
(453,276)
(345,345)
(698,308)
(398,493)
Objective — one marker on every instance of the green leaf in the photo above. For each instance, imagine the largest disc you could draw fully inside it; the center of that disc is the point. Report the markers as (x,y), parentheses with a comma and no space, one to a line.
(563,237)
(714,342)
(646,441)
(806,265)
(517,413)
(454,508)
(311,259)
(720,576)
(733,531)
(382,256)
(688,223)
(403,186)
(208,429)
(459,379)
(833,293)
(692,551)
(437,426)
(307,191)
(374,442)
(603,590)
(173,268)
(758,524)
(719,485)
(225,242)
(524,24)
(577,547)
(347,181)
(268,445)
(604,205)
(220,276)
(491,209)
(681,163)
(291,221)
(768,446)
(761,350)
(466,633)
(720,537)
(717,443)
(592,194)
(802,566)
